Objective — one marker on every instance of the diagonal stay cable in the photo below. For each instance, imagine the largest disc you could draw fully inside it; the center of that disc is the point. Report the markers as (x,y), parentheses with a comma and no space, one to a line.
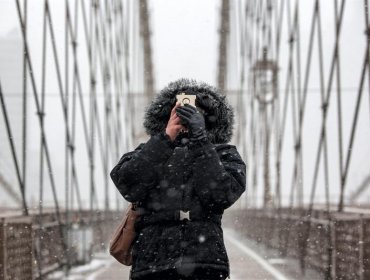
(116,65)
(14,153)
(353,130)
(120,45)
(113,60)
(109,114)
(38,108)
(79,85)
(111,68)
(306,233)
(24,105)
(367,24)
(68,144)
(92,99)
(105,75)
(60,85)
(327,98)
(326,101)
(278,132)
(302,105)
(62,92)
(103,67)
(110,56)
(120,79)
(42,150)
(78,81)
(290,83)
(292,29)
(296,184)
(119,75)
(322,93)
(339,103)
(119,65)
(74,179)
(298,148)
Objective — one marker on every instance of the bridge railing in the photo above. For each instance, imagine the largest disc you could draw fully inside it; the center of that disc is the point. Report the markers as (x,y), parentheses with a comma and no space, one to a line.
(335,245)
(34,246)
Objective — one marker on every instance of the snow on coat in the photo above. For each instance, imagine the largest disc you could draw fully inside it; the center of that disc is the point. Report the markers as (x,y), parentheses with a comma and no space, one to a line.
(162,175)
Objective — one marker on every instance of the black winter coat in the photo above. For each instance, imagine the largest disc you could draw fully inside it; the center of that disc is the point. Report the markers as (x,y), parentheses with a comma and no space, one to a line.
(205,178)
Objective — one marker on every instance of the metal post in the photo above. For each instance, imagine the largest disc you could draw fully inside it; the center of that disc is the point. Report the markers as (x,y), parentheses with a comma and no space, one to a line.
(266,171)
(3,257)
(333,226)
(265,91)
(361,255)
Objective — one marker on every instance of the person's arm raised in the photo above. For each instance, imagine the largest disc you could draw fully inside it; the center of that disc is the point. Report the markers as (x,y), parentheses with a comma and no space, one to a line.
(219,175)
(137,172)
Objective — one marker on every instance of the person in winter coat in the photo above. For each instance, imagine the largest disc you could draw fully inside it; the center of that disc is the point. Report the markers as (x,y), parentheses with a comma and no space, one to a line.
(183,178)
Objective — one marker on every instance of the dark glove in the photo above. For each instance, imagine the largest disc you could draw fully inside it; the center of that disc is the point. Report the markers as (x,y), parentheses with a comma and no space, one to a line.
(194,121)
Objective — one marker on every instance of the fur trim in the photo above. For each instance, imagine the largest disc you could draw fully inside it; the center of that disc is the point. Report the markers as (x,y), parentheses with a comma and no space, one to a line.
(219,115)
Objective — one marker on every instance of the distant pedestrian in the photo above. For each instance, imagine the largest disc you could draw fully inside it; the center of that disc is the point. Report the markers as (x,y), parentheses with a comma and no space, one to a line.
(183,178)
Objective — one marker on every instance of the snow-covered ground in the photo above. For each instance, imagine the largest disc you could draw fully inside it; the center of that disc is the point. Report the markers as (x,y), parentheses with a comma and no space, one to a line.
(248,261)
(89,271)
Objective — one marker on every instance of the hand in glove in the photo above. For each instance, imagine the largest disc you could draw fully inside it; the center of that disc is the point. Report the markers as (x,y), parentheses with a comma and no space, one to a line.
(194,121)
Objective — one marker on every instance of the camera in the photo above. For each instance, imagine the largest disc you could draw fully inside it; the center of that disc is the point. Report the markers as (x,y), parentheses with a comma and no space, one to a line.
(186,99)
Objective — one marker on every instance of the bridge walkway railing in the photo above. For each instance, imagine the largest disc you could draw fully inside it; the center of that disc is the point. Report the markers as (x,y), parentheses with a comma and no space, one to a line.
(38,244)
(337,245)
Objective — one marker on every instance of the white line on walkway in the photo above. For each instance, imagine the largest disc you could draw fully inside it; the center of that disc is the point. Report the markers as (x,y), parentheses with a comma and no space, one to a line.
(272,270)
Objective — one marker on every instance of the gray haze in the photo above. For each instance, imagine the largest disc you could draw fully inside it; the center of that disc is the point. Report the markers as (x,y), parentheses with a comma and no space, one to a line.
(185,44)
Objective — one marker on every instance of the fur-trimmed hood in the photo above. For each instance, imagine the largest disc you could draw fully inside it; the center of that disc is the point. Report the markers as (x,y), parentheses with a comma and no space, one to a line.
(219,115)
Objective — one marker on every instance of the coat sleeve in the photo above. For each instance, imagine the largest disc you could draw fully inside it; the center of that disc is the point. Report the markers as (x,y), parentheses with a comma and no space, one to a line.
(220,176)
(137,172)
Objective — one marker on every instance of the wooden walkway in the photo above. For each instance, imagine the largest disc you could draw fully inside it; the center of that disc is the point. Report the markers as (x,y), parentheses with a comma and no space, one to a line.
(245,264)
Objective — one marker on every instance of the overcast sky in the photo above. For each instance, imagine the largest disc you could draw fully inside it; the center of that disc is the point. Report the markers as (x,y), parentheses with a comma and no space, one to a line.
(185,39)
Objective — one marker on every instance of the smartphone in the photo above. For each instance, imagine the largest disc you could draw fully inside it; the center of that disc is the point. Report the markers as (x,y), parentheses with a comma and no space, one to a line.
(186,99)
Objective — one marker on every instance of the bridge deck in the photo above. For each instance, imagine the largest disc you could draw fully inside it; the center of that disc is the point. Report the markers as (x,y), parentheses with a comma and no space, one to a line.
(244,262)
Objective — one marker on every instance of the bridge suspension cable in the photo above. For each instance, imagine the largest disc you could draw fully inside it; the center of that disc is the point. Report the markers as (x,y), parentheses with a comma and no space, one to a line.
(301,130)
(279,70)
(94,56)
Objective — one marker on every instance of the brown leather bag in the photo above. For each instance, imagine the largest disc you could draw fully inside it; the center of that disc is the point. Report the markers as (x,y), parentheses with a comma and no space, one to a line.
(121,243)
